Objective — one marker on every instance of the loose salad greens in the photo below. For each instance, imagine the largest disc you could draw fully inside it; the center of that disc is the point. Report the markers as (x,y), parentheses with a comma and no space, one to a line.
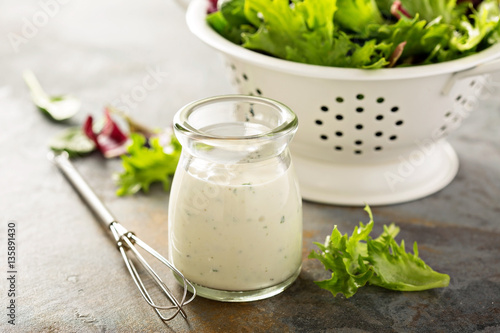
(73,141)
(359,33)
(357,260)
(57,108)
(144,165)
(107,136)
(148,156)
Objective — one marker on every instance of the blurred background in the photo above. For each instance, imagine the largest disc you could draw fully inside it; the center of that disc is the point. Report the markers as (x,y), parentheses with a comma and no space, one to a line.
(101,51)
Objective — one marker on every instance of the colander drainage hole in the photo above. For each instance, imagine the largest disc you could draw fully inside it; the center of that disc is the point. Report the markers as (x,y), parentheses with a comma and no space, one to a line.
(319,122)
(393,137)
(359,109)
(395,109)
(339,100)
(245,77)
(358,142)
(339,117)
(258,91)
(338,133)
(380,100)
(357,151)
(379,117)
(399,123)
(324,108)
(360,96)
(379,134)
(324,137)
(359,127)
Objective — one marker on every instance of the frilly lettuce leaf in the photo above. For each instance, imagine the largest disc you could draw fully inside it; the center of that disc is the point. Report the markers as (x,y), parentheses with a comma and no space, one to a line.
(145,165)
(396,269)
(230,21)
(355,15)
(429,10)
(484,20)
(359,259)
(341,255)
(359,33)
(303,32)
(420,37)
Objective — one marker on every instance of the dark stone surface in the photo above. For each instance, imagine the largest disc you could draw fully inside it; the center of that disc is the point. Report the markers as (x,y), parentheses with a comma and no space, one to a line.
(72,279)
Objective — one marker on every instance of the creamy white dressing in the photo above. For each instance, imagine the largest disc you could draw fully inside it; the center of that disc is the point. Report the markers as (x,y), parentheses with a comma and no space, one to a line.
(235,230)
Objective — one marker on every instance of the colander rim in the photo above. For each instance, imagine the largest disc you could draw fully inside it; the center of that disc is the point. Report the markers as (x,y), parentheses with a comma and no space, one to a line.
(195,18)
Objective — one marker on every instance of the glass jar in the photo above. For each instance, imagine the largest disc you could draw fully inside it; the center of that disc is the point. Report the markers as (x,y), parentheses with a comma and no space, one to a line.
(235,211)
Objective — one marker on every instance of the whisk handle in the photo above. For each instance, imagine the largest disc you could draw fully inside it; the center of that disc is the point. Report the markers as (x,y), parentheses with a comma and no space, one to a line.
(88,195)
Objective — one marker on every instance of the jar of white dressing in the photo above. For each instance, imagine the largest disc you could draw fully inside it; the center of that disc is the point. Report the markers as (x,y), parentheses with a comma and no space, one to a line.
(235,211)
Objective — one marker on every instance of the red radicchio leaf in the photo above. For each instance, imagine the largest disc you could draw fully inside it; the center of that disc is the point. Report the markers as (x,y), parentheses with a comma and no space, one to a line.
(212,6)
(397,9)
(110,140)
(398,51)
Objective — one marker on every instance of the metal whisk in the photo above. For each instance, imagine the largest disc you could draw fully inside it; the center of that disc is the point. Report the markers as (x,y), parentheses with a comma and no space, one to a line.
(126,241)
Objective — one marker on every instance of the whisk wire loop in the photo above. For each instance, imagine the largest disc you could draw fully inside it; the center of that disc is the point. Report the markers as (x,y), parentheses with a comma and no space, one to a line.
(127,245)
(129,240)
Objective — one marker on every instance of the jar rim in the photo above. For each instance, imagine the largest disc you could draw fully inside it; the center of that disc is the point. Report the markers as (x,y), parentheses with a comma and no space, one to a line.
(181,122)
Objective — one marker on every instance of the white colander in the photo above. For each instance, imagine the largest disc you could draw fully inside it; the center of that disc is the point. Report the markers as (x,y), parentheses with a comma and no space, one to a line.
(365,136)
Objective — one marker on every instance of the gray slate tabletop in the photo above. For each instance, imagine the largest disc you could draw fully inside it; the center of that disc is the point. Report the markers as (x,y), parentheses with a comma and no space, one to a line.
(69,276)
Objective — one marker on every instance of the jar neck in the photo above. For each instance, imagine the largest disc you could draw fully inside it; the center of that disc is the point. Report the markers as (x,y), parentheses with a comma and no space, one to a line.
(235,129)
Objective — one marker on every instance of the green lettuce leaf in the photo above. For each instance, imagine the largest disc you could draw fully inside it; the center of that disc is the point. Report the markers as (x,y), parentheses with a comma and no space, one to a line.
(145,165)
(73,141)
(429,10)
(359,33)
(355,15)
(303,32)
(230,21)
(234,11)
(385,7)
(420,37)
(349,271)
(484,21)
(396,269)
(359,259)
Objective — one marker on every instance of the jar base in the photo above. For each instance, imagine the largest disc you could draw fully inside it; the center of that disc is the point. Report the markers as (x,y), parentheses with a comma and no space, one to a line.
(246,295)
